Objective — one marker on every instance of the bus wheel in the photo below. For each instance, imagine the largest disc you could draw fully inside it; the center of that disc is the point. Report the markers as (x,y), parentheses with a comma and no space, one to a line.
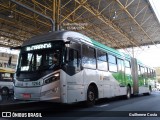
(5,91)
(128,94)
(150,90)
(91,96)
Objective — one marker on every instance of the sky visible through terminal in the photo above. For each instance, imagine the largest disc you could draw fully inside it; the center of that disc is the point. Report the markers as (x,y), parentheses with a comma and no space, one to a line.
(151,54)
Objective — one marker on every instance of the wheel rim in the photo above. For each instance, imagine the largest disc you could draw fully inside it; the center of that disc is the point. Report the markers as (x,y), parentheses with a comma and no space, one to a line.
(91,96)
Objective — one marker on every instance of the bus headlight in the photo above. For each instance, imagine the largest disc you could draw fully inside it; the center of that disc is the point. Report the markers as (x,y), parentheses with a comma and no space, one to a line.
(55,77)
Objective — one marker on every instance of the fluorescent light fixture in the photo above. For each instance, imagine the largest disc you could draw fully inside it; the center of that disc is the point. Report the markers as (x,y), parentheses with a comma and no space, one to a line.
(115,15)
(11,15)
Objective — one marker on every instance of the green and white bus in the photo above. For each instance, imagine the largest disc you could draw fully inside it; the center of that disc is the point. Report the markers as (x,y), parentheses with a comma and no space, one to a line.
(86,70)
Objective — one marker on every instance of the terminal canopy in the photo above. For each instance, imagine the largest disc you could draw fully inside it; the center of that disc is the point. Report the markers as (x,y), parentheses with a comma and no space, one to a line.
(116,23)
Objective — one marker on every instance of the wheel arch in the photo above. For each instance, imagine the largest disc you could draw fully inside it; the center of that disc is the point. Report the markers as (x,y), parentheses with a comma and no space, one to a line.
(95,87)
(4,87)
(129,85)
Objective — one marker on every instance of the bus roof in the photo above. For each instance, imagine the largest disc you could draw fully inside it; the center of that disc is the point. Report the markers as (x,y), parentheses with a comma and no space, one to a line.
(106,48)
(64,35)
(53,36)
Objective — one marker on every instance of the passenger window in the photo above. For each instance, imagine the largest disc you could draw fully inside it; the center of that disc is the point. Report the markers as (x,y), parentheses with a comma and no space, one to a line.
(142,71)
(112,63)
(101,55)
(120,64)
(102,60)
(88,57)
(73,58)
(127,67)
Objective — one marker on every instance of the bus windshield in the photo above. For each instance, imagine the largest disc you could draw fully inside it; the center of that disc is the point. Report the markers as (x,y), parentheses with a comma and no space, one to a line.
(43,59)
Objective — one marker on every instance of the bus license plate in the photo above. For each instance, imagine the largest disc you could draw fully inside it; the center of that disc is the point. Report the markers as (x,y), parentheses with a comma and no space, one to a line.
(26,95)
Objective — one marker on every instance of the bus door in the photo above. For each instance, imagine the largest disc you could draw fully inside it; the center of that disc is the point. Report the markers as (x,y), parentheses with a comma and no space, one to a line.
(73,55)
(74,76)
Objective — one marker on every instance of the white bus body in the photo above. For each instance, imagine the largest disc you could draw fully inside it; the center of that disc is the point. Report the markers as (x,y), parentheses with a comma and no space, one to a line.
(87,71)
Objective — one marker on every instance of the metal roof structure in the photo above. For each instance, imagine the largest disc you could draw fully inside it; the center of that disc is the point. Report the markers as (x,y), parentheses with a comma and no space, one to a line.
(115,23)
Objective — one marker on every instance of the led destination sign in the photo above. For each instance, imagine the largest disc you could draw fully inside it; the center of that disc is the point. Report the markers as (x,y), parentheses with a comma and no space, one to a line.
(39,46)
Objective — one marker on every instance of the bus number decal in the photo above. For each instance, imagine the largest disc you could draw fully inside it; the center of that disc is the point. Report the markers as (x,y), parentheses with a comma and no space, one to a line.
(36,83)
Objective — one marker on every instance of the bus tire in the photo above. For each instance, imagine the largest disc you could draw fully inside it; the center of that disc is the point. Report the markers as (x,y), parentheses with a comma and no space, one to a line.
(128,93)
(5,91)
(91,96)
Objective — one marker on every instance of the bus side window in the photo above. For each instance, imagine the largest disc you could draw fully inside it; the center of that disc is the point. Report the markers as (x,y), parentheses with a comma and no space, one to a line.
(142,71)
(88,57)
(102,60)
(112,63)
(73,58)
(127,67)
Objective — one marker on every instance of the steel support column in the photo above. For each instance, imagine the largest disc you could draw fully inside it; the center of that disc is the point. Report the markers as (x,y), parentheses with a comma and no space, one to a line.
(28,8)
(56,14)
